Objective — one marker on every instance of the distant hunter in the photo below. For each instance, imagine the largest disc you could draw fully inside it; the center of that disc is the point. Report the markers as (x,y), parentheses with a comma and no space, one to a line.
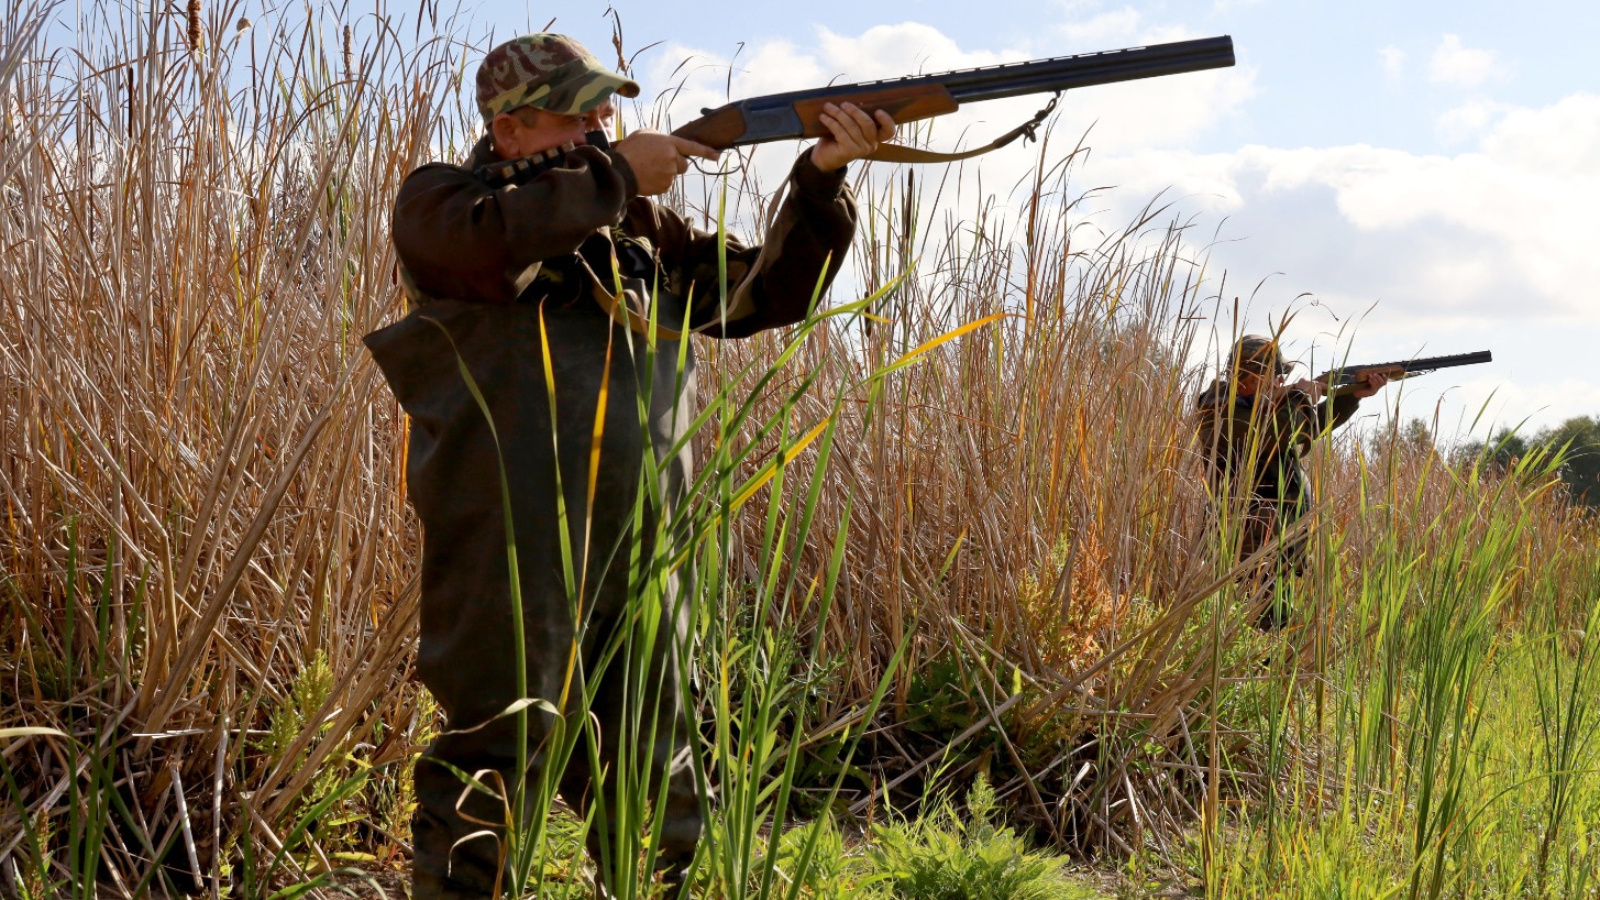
(1254,431)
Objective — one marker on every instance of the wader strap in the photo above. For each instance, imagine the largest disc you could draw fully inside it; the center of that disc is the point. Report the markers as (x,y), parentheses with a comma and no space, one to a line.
(616,306)
(897,153)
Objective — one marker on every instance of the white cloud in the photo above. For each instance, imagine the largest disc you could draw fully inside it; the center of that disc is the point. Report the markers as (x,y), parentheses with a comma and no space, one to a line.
(1530,405)
(1492,248)
(1445,233)
(1562,140)
(1394,60)
(1468,120)
(889,51)
(1459,66)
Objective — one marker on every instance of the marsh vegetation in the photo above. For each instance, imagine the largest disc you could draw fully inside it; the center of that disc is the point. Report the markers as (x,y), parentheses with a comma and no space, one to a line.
(961,595)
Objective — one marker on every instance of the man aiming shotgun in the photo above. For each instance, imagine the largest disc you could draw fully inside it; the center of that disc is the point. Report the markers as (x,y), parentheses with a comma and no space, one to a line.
(501,258)
(1255,430)
(543,267)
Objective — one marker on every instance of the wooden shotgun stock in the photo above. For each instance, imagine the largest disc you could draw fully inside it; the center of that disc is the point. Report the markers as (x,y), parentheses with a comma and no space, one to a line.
(722,128)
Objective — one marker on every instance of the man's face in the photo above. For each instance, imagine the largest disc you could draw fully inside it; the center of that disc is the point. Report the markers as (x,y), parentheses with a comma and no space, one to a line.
(1252,382)
(526,131)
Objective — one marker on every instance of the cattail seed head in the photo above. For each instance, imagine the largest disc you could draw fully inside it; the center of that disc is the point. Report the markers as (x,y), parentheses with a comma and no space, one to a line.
(194,26)
(349,55)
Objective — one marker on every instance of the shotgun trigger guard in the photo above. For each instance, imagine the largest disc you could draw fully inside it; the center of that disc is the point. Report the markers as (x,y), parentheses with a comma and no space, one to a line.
(695,162)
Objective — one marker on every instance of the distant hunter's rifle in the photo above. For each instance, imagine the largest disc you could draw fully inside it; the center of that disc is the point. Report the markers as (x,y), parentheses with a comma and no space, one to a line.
(1343,380)
(797,114)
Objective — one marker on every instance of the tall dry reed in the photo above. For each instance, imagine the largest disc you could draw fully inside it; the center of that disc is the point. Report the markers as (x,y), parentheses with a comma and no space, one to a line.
(206,546)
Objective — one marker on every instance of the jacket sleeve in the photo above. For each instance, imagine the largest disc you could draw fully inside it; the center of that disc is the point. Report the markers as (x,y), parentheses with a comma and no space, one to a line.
(1214,436)
(770,285)
(1322,417)
(1225,434)
(1302,418)
(461,239)
(1340,411)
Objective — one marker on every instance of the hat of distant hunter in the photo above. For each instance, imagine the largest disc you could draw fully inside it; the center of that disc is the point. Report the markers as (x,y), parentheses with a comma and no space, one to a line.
(1257,353)
(546,71)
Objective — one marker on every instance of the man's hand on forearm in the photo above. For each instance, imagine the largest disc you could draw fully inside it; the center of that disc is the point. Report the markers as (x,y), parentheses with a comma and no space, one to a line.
(852,135)
(1370,383)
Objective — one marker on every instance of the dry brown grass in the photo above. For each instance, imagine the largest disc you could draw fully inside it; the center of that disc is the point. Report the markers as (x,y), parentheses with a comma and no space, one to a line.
(195,448)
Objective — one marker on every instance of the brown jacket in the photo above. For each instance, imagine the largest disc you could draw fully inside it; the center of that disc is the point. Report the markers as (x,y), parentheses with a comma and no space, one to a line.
(459,238)
(497,275)
(1257,445)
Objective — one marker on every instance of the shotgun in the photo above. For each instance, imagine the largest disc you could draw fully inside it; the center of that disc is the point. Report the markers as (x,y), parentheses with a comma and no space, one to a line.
(796,114)
(1342,380)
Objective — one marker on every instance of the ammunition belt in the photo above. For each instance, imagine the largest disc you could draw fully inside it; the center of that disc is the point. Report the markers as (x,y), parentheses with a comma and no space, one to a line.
(524,169)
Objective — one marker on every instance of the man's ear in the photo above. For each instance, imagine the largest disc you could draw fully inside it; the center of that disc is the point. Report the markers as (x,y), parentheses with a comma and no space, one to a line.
(503,131)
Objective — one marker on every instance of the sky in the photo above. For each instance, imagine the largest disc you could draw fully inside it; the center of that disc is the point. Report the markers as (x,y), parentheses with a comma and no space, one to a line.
(1415,178)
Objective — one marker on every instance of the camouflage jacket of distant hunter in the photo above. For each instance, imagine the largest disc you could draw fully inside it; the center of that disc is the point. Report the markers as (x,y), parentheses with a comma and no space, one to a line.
(1255,445)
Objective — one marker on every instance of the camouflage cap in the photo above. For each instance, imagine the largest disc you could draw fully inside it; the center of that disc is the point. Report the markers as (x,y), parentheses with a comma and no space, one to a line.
(1257,353)
(546,71)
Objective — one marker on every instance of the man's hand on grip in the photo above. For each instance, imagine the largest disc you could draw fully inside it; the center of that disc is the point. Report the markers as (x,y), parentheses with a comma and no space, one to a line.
(657,159)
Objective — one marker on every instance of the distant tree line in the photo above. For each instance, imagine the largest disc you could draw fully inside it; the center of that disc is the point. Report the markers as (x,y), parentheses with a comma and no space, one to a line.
(1578,439)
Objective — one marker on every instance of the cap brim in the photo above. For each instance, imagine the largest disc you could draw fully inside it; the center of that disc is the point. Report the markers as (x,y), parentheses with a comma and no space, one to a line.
(585,91)
(625,87)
